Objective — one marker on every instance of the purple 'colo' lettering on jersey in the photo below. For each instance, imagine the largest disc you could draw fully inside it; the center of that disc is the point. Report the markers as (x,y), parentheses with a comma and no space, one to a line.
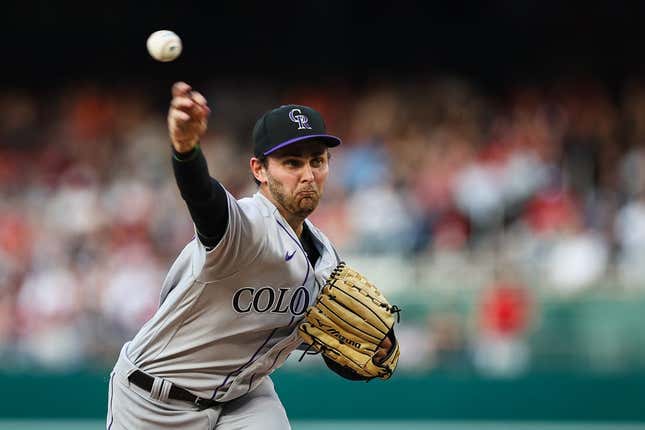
(248,363)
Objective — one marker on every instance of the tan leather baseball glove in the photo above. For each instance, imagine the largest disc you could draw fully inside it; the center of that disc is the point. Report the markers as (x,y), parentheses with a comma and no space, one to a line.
(348,322)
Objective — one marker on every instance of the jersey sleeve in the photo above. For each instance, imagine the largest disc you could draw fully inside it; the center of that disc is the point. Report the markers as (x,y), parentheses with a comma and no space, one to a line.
(229,233)
(205,197)
(241,242)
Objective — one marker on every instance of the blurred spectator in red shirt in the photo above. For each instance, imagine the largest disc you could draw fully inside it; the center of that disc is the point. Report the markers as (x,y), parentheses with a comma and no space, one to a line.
(504,314)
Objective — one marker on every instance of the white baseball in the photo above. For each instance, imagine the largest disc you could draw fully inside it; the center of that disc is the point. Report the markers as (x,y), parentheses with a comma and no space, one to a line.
(164,45)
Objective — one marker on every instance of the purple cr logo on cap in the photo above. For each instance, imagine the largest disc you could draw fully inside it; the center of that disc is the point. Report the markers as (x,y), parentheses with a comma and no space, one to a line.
(302,120)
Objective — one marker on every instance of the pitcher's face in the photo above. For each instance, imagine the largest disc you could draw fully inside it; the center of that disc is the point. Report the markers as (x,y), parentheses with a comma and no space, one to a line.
(296,176)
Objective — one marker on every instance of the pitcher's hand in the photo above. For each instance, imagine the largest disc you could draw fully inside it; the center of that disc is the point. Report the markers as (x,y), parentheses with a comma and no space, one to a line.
(187,117)
(383,350)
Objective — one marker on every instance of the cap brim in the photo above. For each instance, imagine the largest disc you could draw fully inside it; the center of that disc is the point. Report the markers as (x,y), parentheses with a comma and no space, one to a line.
(327,139)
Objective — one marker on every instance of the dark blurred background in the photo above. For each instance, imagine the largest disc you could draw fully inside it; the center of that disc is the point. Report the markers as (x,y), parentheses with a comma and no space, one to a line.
(491,181)
(496,43)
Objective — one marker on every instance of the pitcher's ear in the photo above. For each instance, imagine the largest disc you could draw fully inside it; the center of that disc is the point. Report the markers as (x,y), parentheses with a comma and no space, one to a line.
(258,169)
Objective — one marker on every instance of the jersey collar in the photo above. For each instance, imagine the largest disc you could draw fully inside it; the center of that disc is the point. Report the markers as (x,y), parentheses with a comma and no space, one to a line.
(266,207)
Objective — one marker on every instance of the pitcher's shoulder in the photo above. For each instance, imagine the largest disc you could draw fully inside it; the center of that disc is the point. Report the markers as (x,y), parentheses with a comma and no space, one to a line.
(252,208)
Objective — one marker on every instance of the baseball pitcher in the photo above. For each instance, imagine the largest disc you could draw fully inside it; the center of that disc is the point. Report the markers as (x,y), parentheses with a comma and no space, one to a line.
(258,281)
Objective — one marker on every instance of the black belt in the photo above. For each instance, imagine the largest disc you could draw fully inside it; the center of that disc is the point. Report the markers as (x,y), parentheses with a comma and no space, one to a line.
(145,381)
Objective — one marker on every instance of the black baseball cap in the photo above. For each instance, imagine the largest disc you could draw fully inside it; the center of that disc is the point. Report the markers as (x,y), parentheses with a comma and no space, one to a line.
(286,125)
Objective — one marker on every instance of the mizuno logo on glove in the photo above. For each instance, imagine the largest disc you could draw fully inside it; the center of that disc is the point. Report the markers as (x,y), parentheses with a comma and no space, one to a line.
(342,339)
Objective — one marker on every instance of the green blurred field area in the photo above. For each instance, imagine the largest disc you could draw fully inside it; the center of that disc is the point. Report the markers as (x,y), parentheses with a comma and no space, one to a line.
(355,425)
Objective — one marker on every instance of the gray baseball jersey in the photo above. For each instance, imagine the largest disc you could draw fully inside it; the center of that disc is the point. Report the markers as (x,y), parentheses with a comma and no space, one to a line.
(228,316)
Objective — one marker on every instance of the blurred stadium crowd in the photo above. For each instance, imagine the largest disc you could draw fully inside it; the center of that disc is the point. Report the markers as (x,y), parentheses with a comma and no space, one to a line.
(542,189)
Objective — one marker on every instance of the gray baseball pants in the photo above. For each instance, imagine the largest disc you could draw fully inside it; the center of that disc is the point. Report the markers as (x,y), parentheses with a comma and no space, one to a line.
(133,408)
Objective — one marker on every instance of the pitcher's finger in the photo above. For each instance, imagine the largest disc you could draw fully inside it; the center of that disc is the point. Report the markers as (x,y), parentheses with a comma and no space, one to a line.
(180,89)
(179,116)
(201,102)
(182,103)
(198,98)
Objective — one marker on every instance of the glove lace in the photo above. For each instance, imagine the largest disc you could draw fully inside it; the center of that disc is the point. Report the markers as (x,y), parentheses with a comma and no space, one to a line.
(396,310)
(306,351)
